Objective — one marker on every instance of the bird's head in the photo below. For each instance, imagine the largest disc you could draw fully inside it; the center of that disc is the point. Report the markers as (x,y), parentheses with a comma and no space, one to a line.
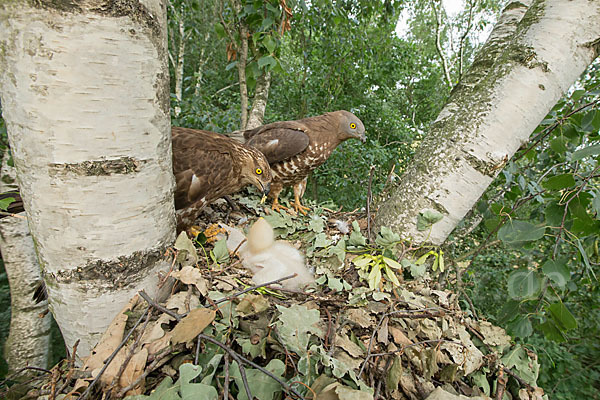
(256,170)
(260,236)
(350,126)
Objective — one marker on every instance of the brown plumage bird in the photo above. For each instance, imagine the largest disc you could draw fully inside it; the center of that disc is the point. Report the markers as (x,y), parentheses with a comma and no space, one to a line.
(208,166)
(295,148)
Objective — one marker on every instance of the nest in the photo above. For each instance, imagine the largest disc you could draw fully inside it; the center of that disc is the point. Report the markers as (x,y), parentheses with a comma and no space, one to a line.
(211,334)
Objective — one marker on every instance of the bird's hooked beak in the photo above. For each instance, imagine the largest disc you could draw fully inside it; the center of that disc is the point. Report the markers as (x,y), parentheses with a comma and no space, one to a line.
(265,190)
(363,137)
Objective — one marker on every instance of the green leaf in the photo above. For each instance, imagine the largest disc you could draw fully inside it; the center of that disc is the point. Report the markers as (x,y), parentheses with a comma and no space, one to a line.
(362,261)
(266,60)
(552,332)
(557,271)
(523,284)
(392,263)
(321,241)
(269,44)
(558,182)
(427,218)
(231,65)
(562,316)
(559,145)
(339,250)
(356,238)
(520,231)
(185,245)
(262,386)
(374,276)
(4,203)
(191,391)
(387,237)
(220,252)
(521,327)
(164,391)
(220,30)
(294,326)
(586,152)
(591,121)
(391,276)
(316,224)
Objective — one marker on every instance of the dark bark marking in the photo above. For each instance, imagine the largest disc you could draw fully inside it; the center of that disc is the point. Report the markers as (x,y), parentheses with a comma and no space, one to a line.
(123,165)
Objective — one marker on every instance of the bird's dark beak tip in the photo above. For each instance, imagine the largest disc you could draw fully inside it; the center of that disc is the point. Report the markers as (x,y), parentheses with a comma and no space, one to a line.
(363,138)
(267,189)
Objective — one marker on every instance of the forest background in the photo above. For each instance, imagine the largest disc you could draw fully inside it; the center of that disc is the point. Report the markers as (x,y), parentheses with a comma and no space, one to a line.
(394,64)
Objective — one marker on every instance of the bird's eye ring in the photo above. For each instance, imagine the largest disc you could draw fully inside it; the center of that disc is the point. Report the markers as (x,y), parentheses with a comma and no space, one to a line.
(258,171)
(353,125)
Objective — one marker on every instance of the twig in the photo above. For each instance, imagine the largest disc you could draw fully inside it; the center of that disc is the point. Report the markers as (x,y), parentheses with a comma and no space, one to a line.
(239,358)
(107,362)
(71,365)
(519,379)
(369,200)
(226,380)
(154,304)
(254,288)
(117,377)
(501,386)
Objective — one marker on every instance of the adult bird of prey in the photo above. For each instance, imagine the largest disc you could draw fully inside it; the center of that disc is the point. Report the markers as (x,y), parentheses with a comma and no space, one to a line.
(208,166)
(295,148)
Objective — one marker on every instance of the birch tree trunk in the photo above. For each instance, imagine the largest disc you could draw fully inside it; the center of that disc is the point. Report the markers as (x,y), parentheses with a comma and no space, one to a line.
(179,65)
(85,95)
(29,335)
(514,81)
(259,102)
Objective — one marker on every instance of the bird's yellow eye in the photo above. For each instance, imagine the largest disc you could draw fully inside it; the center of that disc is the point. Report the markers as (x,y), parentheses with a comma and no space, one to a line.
(258,171)
(353,125)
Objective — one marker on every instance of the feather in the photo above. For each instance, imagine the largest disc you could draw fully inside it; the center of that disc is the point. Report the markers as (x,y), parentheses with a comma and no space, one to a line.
(269,260)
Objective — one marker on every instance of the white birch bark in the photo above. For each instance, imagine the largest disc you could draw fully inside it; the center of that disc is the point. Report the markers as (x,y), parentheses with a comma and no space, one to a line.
(259,102)
(514,81)
(29,334)
(179,67)
(84,90)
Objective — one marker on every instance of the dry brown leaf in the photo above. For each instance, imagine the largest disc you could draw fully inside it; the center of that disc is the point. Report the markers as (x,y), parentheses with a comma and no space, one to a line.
(252,304)
(159,344)
(342,341)
(382,333)
(194,323)
(178,301)
(134,369)
(110,339)
(156,331)
(360,317)
(399,336)
(191,276)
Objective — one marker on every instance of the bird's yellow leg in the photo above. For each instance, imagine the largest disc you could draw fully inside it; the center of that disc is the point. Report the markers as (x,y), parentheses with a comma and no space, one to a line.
(276,206)
(298,206)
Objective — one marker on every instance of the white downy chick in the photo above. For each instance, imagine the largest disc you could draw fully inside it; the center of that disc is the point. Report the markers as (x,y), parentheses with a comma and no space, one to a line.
(270,260)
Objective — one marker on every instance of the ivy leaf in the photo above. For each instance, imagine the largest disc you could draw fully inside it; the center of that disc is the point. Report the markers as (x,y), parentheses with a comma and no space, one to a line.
(562,316)
(187,373)
(356,238)
(186,247)
(220,252)
(387,237)
(520,231)
(294,326)
(558,182)
(262,386)
(524,284)
(427,218)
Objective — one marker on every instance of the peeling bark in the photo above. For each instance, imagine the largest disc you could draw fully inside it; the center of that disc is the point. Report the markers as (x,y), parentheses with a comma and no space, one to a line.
(259,103)
(85,97)
(517,77)
(29,336)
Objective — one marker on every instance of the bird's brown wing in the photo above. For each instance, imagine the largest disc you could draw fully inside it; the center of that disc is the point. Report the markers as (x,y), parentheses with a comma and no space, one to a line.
(278,141)
(202,165)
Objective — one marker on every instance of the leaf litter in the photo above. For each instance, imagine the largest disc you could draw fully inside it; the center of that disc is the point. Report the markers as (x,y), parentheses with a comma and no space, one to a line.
(355,334)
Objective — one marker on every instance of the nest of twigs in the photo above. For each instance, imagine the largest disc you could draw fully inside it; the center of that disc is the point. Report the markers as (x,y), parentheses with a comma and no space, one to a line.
(211,334)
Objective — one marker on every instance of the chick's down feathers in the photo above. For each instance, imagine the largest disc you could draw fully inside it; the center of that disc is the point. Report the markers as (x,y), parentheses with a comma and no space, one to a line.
(269,260)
